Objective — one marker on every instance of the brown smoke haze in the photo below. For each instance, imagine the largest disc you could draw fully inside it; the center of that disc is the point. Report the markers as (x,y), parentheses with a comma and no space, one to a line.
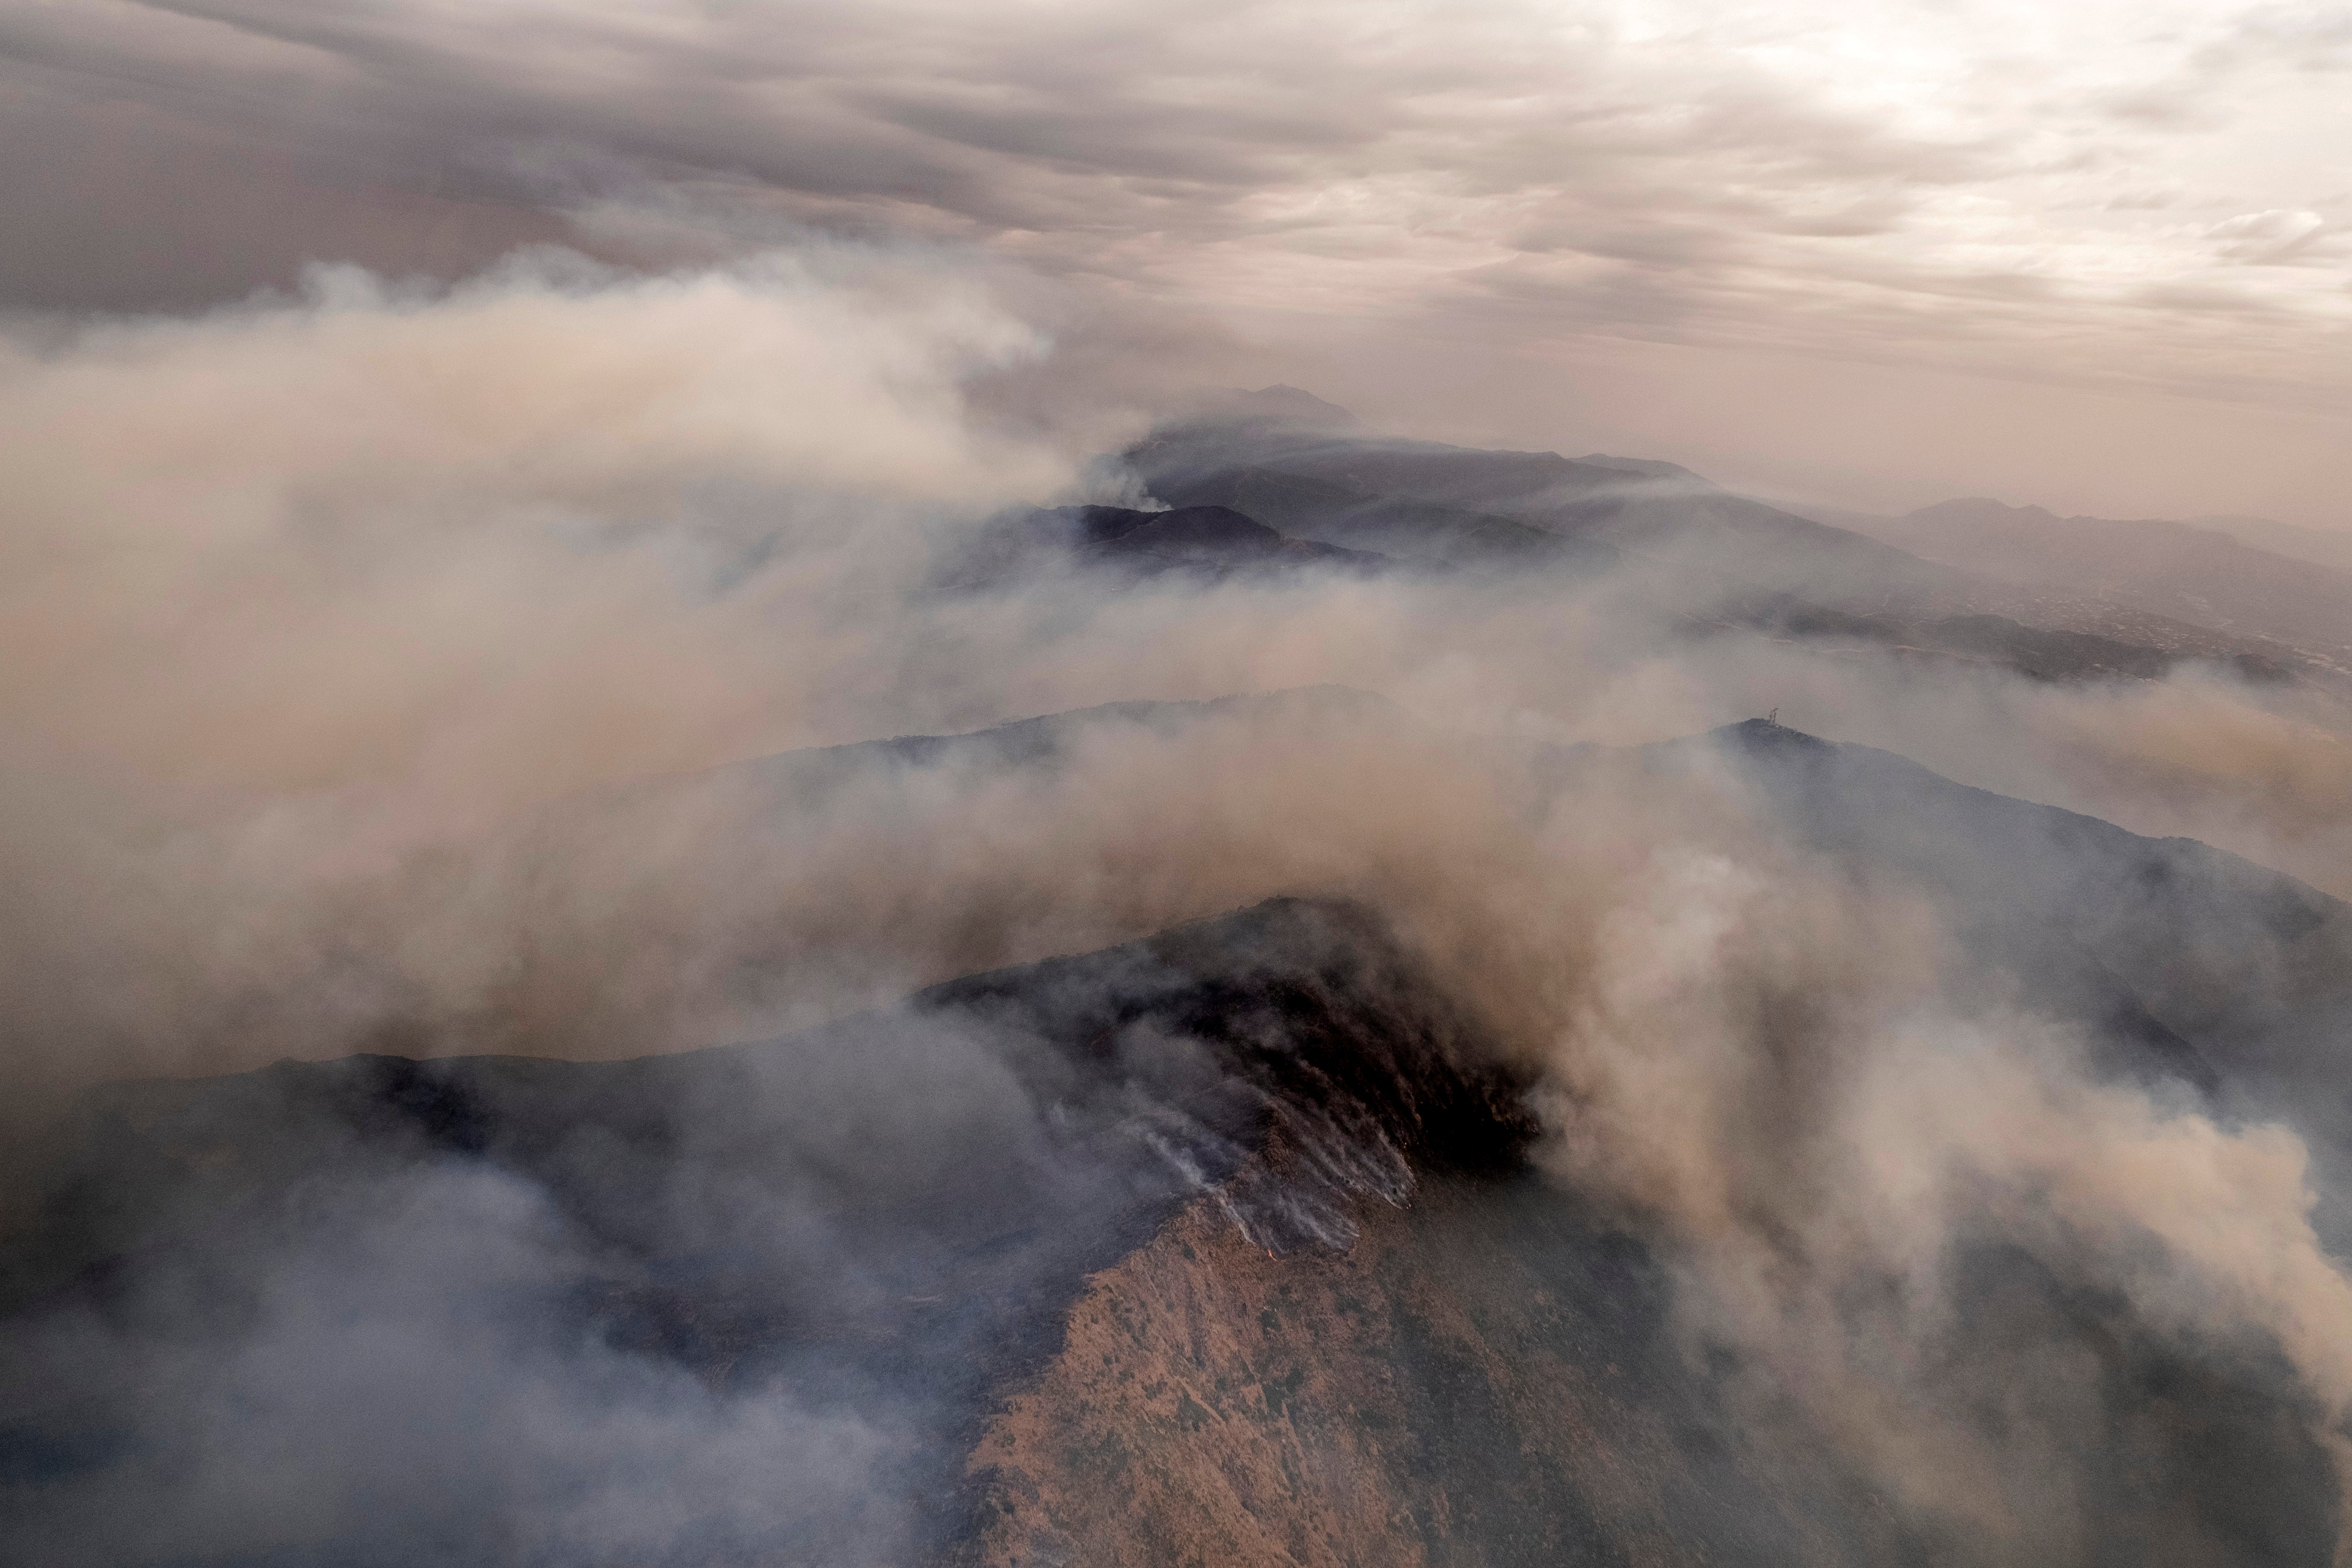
(389,667)
(521,538)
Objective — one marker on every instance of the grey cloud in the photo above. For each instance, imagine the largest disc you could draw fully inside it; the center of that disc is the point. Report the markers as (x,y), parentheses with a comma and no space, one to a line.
(2180,106)
(1158,125)
(2314,35)
(1311,168)
(2272,238)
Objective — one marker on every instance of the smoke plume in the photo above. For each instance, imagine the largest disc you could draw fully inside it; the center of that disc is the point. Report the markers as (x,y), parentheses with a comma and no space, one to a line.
(514,669)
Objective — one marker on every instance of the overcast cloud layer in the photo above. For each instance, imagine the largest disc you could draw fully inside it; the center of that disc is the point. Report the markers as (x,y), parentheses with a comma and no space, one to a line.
(2094,256)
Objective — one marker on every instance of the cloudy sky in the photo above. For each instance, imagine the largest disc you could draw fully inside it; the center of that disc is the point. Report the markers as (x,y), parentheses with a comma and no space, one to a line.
(2095,254)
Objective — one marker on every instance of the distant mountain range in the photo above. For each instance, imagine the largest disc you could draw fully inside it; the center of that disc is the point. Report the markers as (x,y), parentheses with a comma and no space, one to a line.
(2197,574)
(2328,547)
(1936,588)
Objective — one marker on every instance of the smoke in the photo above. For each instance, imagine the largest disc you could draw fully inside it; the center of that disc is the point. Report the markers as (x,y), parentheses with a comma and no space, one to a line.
(298,587)
(1793,1075)
(451,499)
(386,1385)
(409,669)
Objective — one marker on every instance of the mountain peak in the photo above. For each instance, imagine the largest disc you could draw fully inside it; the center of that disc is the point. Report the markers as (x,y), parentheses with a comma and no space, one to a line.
(1756,734)
(1980,509)
(1286,405)
(1649,468)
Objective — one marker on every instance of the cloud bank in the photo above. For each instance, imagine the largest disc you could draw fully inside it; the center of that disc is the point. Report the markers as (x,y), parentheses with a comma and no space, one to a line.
(1602,215)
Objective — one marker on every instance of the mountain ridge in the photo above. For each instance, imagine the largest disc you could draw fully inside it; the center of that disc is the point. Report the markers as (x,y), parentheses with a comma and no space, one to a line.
(1198,1244)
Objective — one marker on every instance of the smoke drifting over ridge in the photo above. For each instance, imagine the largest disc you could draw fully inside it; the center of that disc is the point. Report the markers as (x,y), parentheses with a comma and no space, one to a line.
(298,587)
(409,670)
(309,598)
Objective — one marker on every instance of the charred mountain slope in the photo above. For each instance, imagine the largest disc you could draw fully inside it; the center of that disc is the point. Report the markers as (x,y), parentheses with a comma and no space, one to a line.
(1494,1374)
(1218,1248)
(855,1238)
(1199,544)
